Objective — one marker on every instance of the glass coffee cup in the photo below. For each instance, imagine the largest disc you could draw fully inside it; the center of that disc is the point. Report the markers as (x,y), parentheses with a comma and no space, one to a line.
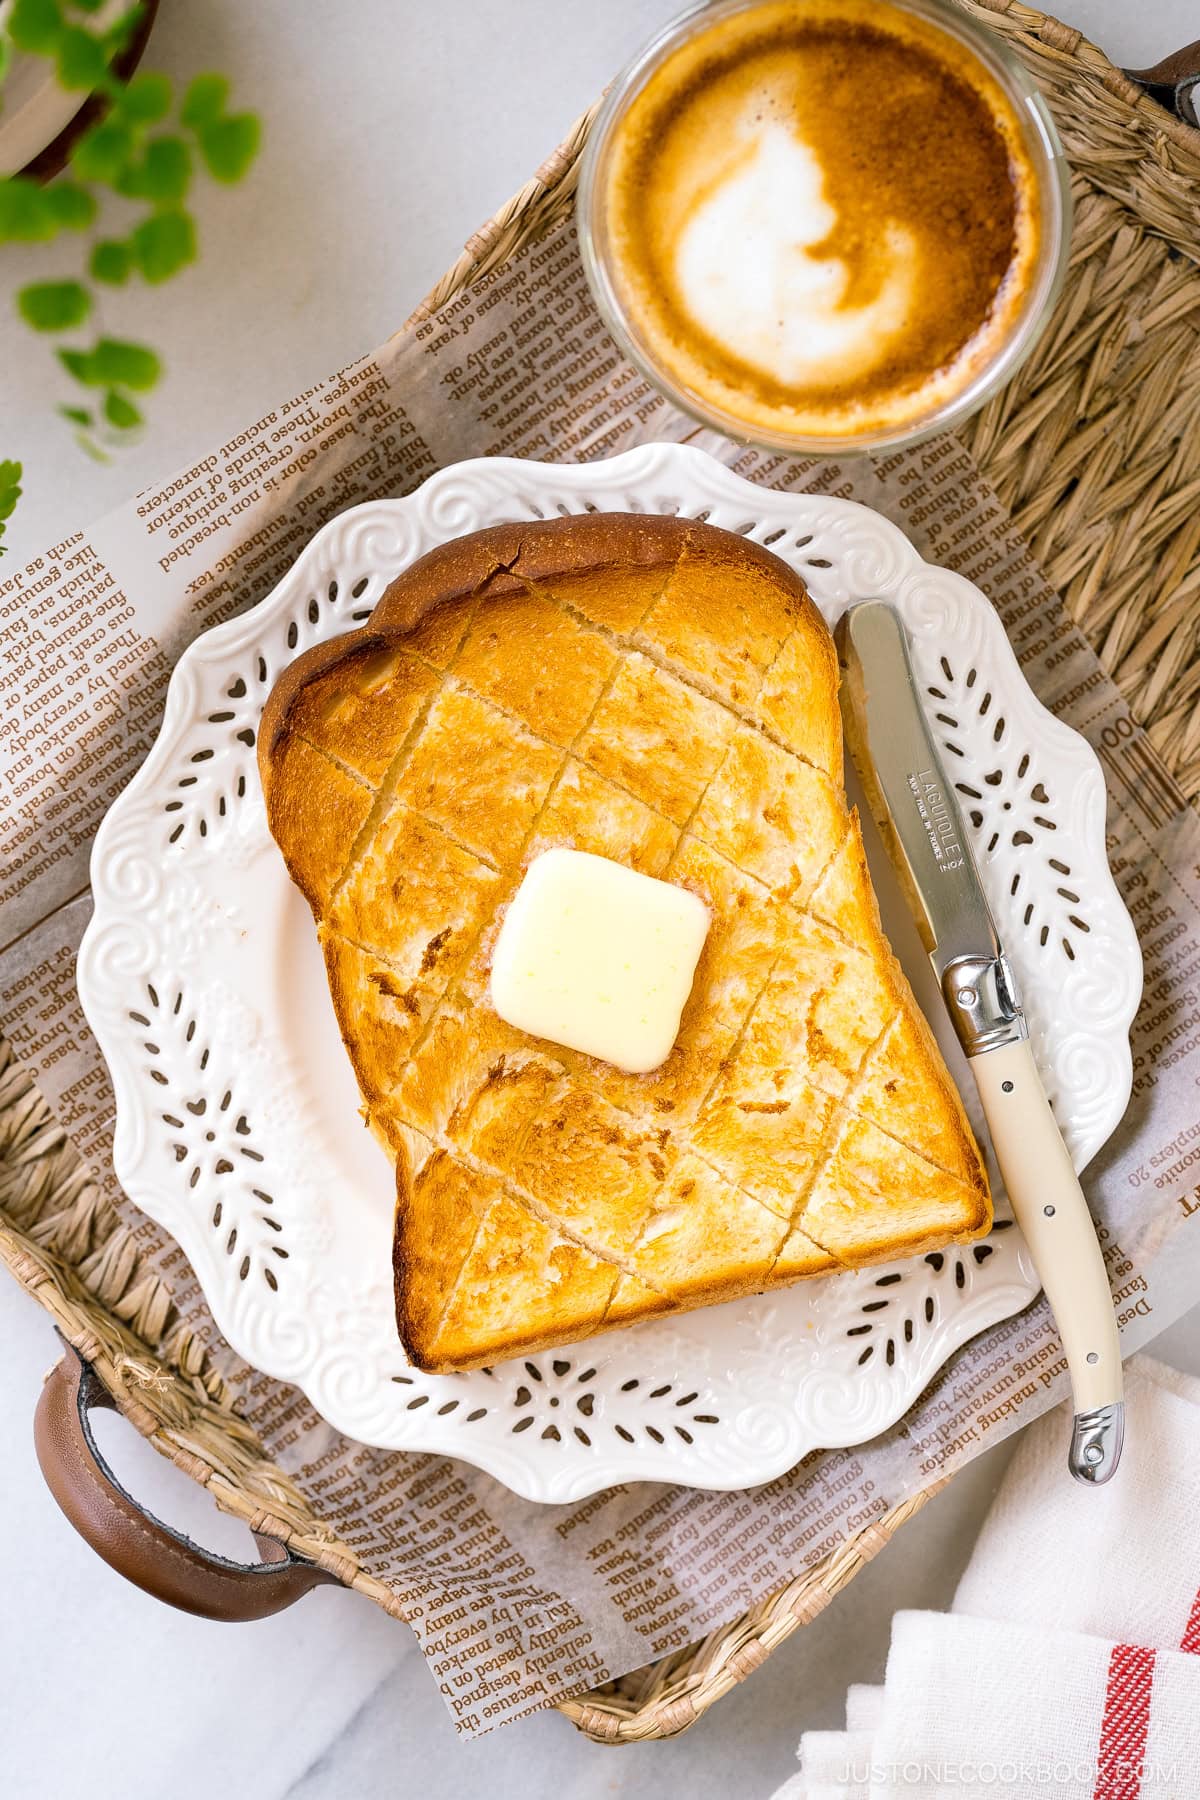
(825,225)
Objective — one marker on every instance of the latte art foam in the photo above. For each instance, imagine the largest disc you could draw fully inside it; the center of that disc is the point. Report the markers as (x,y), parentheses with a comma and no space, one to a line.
(822,216)
(749,272)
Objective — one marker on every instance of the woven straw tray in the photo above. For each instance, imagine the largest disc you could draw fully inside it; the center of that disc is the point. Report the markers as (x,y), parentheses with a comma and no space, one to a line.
(1096,451)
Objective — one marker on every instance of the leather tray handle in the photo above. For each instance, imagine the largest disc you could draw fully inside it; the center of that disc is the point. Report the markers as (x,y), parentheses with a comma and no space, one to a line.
(138,1546)
(1174,82)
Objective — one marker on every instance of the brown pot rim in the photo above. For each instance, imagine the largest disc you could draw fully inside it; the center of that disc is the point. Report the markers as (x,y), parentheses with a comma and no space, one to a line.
(53,159)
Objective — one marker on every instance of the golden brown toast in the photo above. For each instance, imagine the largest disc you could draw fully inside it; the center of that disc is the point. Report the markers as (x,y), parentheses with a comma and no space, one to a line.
(664,694)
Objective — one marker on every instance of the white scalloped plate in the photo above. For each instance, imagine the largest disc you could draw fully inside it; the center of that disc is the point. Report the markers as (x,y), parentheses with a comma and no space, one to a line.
(237,1124)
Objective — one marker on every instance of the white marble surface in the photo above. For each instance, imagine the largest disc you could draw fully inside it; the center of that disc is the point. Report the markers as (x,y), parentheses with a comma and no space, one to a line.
(392,129)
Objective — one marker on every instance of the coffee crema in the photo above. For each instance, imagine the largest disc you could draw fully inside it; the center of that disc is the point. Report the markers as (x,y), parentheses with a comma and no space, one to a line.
(822,217)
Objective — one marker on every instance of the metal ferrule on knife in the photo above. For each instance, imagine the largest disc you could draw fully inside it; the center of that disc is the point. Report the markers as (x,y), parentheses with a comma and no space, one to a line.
(918,815)
(982,1002)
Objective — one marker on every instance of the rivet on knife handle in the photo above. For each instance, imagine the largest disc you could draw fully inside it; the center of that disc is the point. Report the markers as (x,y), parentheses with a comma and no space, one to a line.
(914,804)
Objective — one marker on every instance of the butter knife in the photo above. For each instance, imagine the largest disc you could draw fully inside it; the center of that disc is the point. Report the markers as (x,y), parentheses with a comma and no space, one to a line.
(915,807)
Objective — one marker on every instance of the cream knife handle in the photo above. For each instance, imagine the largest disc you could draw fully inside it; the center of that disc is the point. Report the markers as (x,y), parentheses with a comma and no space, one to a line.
(1053,1215)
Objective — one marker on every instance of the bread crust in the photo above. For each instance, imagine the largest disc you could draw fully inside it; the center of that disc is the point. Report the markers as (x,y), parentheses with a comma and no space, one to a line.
(664,693)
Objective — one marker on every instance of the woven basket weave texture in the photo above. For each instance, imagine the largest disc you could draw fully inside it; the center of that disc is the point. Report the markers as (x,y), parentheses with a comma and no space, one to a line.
(1096,451)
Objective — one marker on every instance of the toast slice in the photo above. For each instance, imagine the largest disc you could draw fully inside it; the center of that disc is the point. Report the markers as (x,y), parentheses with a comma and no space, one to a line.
(665,694)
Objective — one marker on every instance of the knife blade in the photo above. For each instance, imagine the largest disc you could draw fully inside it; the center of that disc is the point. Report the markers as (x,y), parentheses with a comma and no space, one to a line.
(915,806)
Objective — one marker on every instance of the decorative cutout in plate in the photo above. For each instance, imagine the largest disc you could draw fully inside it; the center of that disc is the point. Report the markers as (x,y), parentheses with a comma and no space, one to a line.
(237,1121)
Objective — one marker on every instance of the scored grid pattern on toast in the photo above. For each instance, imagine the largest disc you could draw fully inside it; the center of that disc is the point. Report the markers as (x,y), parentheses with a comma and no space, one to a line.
(617,653)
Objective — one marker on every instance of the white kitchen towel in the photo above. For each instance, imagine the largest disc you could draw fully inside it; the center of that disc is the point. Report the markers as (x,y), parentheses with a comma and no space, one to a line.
(837,1765)
(1070,1666)
(1122,1561)
(977,1709)
(864,1707)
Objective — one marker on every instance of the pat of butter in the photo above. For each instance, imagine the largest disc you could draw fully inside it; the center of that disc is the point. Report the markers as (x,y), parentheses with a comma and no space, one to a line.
(599,958)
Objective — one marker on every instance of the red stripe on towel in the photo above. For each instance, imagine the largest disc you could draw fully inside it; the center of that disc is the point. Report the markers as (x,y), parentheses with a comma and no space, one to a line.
(1126,1723)
(1190,1640)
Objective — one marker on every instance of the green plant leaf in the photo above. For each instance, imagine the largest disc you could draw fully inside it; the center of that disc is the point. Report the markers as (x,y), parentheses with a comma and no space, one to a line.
(112,363)
(145,100)
(87,6)
(102,151)
(168,170)
(36,26)
(111,262)
(229,145)
(80,365)
(70,206)
(121,31)
(118,364)
(31,214)
(81,59)
(78,415)
(120,411)
(163,244)
(10,493)
(10,490)
(54,305)
(26,214)
(162,176)
(204,101)
(90,447)
(5,59)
